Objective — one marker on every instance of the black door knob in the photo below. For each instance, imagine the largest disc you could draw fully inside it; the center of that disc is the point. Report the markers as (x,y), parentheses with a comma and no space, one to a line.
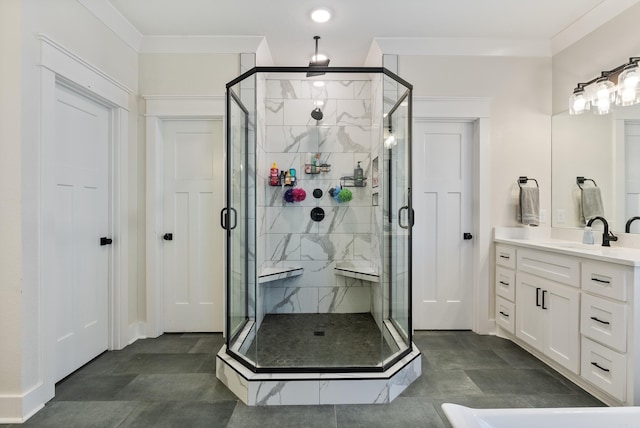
(168,236)
(105,241)
(467,236)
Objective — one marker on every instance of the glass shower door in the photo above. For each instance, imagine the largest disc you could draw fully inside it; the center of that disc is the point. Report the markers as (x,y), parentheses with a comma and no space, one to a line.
(234,217)
(400,215)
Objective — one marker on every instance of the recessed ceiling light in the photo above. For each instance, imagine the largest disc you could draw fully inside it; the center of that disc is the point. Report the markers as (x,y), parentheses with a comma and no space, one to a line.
(321,14)
(318,83)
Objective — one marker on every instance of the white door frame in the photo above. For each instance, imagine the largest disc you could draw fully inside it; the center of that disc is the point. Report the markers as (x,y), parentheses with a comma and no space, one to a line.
(478,111)
(160,108)
(61,66)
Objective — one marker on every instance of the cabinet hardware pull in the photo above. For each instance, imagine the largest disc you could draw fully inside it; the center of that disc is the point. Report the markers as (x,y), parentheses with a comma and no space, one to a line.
(600,280)
(502,313)
(600,367)
(600,321)
(504,257)
(538,296)
(504,283)
(543,293)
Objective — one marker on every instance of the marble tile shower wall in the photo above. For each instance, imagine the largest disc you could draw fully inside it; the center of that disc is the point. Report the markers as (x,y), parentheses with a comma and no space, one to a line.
(343,137)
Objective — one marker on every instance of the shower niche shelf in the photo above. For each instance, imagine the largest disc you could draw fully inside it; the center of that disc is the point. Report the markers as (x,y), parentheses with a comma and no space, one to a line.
(274,274)
(363,273)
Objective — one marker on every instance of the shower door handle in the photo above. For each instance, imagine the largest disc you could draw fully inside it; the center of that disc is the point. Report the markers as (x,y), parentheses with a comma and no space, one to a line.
(224,218)
(404,226)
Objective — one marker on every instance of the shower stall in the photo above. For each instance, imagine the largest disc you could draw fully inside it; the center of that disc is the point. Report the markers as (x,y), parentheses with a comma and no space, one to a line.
(318,219)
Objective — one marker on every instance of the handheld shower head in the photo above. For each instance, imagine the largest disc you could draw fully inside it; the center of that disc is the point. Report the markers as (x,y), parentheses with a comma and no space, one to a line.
(316,113)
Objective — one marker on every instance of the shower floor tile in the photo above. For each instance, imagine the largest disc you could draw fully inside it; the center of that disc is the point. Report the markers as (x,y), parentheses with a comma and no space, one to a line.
(318,340)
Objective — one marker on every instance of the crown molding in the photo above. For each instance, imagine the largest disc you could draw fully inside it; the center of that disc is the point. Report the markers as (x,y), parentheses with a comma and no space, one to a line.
(201,44)
(587,23)
(461,46)
(113,19)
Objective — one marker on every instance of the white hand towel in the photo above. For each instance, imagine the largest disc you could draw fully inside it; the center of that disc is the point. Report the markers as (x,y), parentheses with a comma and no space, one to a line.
(591,204)
(529,209)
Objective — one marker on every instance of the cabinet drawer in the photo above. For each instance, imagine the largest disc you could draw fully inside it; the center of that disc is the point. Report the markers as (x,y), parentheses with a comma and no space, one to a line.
(606,279)
(605,368)
(506,256)
(555,267)
(604,321)
(505,283)
(505,315)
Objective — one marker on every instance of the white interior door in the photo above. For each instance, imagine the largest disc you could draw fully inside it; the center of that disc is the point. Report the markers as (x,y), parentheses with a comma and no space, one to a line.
(80,219)
(193,169)
(442,258)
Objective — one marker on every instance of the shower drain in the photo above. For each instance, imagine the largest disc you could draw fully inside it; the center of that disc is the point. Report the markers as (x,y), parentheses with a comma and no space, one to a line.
(318,333)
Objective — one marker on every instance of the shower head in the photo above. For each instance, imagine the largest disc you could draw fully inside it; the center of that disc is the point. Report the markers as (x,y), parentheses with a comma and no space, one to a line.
(316,113)
(317,63)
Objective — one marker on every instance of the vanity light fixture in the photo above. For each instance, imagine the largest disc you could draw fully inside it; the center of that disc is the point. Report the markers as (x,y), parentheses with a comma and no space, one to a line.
(629,85)
(578,102)
(601,93)
(605,95)
(321,15)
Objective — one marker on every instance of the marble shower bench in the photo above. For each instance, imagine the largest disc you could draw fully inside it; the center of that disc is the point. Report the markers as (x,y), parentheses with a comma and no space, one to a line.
(274,274)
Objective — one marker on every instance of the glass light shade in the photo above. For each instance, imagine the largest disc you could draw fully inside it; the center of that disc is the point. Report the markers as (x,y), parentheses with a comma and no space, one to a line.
(629,86)
(578,102)
(605,95)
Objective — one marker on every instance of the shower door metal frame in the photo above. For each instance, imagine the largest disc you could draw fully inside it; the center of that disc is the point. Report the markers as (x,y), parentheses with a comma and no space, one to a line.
(324,70)
(231,335)
(410,212)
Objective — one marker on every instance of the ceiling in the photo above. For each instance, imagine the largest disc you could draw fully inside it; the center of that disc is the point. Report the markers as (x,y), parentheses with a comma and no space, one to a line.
(347,38)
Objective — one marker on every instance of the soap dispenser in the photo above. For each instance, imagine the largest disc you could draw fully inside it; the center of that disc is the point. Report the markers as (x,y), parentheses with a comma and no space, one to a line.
(358,176)
(587,236)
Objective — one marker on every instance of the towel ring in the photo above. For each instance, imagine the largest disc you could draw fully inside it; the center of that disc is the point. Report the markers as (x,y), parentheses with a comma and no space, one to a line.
(522,180)
(581,180)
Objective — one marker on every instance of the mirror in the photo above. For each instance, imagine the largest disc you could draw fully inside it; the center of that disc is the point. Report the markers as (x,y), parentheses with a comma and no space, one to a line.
(605,150)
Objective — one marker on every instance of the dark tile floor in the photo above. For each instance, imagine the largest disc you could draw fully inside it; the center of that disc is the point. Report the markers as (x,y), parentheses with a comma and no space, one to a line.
(318,340)
(170,382)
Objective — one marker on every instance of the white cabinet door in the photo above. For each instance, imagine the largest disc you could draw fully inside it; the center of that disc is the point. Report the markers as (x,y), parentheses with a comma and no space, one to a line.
(529,314)
(562,307)
(547,318)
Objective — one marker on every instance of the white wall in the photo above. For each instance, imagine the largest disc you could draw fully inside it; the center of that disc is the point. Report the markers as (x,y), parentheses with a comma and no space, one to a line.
(70,24)
(187,74)
(10,221)
(520,92)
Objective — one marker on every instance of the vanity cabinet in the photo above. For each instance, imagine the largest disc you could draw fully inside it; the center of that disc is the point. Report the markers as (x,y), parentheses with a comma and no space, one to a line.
(578,313)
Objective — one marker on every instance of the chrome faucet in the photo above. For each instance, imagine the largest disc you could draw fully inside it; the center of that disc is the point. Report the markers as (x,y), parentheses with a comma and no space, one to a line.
(606,235)
(627,227)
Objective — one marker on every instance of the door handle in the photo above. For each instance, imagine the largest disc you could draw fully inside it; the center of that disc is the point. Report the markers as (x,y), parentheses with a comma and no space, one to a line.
(224,218)
(404,226)
(466,236)
(168,236)
(543,293)
(538,296)
(105,241)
